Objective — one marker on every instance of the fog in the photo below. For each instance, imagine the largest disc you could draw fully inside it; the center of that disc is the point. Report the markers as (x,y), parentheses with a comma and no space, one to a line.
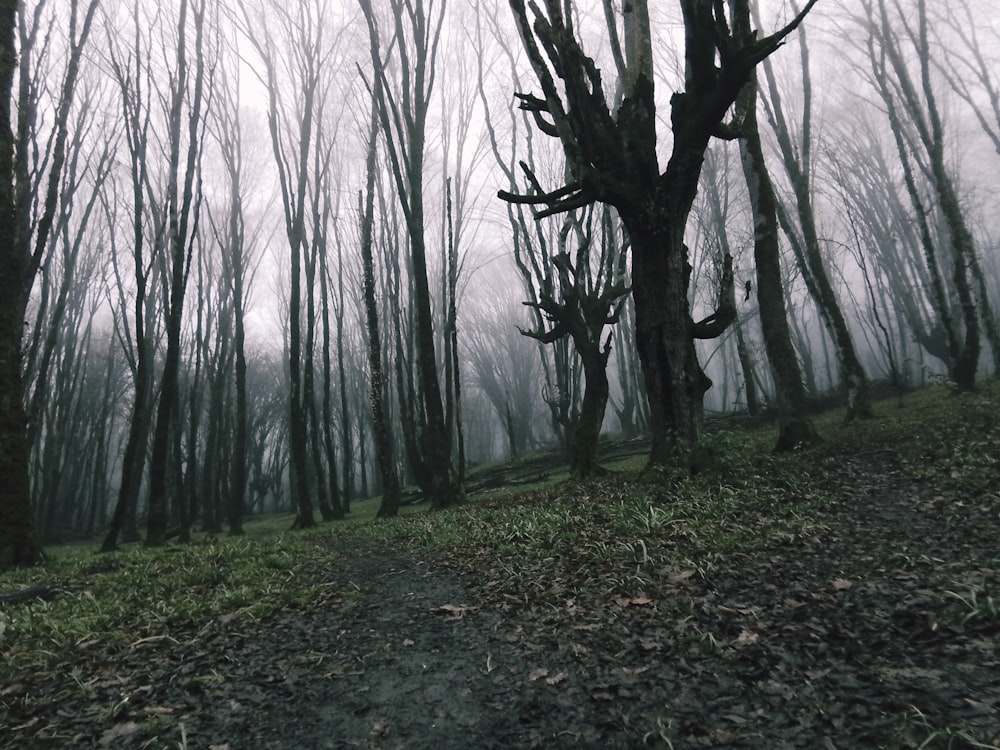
(273,150)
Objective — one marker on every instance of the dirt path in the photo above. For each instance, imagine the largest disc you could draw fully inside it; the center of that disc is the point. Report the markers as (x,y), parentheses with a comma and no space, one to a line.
(408,662)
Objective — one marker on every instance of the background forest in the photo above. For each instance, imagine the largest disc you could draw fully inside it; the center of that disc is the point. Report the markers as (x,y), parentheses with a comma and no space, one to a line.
(264,266)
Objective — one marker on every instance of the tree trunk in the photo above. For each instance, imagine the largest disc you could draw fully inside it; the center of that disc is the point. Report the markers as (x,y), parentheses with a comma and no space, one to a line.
(435,441)
(238,485)
(314,427)
(587,430)
(19,543)
(796,159)
(376,373)
(326,428)
(675,383)
(346,444)
(19,261)
(179,209)
(794,426)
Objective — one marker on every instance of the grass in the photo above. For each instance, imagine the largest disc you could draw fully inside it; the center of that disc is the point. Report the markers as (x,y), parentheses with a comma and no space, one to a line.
(135,595)
(749,499)
(920,732)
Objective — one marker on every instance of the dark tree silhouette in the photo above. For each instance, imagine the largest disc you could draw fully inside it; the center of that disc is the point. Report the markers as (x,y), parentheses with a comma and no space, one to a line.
(611,157)
(918,130)
(794,426)
(584,302)
(413,39)
(797,160)
(23,242)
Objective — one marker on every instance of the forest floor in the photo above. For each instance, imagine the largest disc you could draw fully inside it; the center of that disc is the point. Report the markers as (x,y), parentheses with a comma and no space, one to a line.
(868,618)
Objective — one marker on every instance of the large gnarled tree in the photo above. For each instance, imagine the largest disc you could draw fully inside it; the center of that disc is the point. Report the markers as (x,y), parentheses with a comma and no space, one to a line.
(611,157)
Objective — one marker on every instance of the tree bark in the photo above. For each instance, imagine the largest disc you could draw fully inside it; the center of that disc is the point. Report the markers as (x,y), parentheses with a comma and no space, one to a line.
(182,223)
(389,506)
(19,543)
(798,166)
(584,460)
(21,253)
(794,426)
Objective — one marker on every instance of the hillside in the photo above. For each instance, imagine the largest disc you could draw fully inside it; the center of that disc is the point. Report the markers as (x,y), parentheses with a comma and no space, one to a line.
(841,597)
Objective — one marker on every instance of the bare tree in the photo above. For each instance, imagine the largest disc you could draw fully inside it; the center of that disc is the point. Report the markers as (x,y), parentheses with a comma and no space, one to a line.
(611,157)
(377,382)
(587,297)
(971,73)
(504,367)
(413,37)
(717,196)
(182,211)
(794,426)
(297,90)
(804,236)
(130,70)
(58,361)
(533,242)
(22,247)
(237,245)
(911,105)
(870,179)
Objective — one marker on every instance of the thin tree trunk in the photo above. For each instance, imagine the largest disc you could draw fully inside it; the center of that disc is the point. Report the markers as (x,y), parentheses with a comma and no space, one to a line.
(346,444)
(19,262)
(336,508)
(377,383)
(182,217)
(794,426)
(796,159)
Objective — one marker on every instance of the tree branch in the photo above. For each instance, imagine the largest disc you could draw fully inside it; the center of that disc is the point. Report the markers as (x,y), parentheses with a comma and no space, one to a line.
(764,47)
(566,198)
(715,324)
(536,106)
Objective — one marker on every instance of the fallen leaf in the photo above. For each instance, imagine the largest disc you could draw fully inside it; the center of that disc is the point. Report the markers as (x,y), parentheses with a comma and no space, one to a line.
(408,642)
(746,637)
(453,611)
(737,609)
(159,710)
(635,601)
(722,737)
(110,737)
(537,674)
(840,584)
(635,670)
(556,678)
(680,576)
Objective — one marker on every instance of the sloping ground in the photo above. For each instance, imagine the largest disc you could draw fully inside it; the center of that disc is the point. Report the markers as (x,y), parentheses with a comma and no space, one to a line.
(870,622)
